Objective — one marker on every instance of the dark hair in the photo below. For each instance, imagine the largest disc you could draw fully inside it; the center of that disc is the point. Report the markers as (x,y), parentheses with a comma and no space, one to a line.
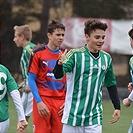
(92,25)
(55,25)
(130,33)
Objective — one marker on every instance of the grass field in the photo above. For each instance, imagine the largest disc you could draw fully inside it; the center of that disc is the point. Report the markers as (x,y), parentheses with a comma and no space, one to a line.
(120,127)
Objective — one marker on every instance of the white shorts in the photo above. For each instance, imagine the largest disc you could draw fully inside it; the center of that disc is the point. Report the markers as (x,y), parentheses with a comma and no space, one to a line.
(4,126)
(27,100)
(82,129)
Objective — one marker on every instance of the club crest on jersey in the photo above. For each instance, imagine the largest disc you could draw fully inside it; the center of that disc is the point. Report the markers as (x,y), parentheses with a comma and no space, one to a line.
(103,67)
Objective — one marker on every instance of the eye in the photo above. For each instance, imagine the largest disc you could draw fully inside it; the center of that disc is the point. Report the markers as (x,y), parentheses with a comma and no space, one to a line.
(103,37)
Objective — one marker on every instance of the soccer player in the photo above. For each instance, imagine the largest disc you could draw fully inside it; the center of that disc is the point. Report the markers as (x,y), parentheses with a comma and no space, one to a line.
(49,93)
(22,38)
(127,101)
(9,86)
(87,69)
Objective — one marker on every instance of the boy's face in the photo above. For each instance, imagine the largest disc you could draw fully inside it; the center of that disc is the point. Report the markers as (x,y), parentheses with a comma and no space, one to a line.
(18,39)
(96,40)
(131,42)
(56,38)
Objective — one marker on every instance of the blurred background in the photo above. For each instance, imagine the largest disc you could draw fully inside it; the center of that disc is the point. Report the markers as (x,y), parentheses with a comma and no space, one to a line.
(118,14)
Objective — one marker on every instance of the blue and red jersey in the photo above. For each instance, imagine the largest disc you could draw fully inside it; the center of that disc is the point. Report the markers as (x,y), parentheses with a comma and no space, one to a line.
(42,63)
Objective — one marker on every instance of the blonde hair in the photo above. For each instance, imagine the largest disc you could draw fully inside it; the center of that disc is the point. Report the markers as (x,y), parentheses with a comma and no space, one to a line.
(24,30)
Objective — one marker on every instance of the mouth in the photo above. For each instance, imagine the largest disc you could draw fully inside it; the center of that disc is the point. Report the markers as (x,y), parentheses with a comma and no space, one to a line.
(60,42)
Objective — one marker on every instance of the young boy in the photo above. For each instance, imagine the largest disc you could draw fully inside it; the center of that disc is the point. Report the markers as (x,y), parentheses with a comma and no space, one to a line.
(127,101)
(22,38)
(48,92)
(8,85)
(87,69)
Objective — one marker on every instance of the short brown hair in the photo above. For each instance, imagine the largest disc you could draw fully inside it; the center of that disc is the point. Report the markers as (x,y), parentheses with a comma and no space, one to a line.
(92,25)
(130,33)
(55,25)
(24,30)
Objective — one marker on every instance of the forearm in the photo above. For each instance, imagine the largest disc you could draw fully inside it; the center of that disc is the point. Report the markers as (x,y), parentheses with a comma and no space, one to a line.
(18,104)
(114,96)
(58,70)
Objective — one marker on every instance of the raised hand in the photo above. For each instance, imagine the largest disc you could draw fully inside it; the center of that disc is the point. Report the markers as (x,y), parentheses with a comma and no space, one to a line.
(62,57)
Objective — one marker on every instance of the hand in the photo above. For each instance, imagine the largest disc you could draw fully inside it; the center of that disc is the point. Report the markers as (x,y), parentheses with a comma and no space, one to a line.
(43,109)
(21,84)
(62,57)
(21,126)
(27,89)
(130,87)
(61,110)
(116,116)
(126,102)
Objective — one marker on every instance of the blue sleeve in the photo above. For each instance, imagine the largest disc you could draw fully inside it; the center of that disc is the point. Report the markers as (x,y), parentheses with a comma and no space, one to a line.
(33,87)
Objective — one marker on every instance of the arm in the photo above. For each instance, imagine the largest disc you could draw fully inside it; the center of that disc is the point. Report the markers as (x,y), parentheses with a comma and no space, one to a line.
(42,108)
(127,101)
(116,102)
(22,123)
(58,70)
(33,86)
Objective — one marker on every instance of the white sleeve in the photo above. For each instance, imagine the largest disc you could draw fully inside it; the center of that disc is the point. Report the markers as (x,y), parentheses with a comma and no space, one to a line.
(18,104)
(131,96)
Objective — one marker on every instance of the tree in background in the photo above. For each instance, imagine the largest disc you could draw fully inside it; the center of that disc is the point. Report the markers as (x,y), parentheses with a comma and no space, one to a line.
(114,9)
(38,13)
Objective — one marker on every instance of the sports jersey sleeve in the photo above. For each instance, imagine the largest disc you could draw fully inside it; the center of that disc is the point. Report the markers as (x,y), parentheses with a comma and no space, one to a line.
(110,77)
(58,71)
(18,104)
(69,62)
(34,63)
(33,87)
(114,96)
(25,61)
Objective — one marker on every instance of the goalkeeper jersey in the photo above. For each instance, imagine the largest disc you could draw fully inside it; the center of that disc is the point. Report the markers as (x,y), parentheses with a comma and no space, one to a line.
(7,85)
(85,77)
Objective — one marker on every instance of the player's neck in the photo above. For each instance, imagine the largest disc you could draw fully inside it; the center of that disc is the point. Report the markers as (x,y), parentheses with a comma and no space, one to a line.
(25,43)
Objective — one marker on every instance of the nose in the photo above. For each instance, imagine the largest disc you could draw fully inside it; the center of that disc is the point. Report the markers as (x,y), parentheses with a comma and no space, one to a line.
(101,40)
(61,37)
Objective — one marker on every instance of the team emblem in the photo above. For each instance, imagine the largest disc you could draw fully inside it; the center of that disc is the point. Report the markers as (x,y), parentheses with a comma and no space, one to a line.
(103,67)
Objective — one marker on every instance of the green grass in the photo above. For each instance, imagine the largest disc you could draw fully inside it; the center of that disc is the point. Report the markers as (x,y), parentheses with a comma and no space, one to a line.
(120,127)
(13,119)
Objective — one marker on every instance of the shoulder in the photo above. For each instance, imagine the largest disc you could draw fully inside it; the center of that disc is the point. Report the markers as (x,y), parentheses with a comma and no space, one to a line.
(105,53)
(131,60)
(2,67)
(29,46)
(38,50)
(77,50)
(4,70)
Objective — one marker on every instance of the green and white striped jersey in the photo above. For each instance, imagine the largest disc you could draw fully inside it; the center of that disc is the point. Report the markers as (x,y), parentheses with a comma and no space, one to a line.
(85,77)
(131,67)
(7,85)
(25,60)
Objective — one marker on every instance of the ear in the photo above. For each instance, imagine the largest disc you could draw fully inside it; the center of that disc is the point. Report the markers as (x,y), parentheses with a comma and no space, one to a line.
(87,36)
(49,35)
(22,37)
